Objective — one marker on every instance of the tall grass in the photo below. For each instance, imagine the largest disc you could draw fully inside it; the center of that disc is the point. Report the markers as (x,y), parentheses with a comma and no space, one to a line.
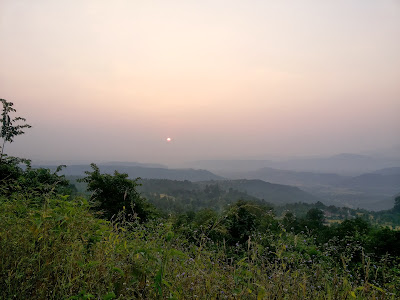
(60,250)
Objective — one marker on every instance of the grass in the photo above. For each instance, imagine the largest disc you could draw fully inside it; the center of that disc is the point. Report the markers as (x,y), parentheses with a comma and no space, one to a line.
(61,250)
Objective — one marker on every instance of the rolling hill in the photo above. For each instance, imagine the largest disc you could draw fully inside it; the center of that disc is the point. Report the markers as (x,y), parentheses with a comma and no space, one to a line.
(276,194)
(143,172)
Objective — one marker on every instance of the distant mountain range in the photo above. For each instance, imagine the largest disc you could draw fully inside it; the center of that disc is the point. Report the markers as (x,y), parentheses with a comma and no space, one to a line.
(342,164)
(143,172)
(372,191)
(112,163)
(388,171)
(373,183)
(277,194)
(133,164)
(229,165)
(288,177)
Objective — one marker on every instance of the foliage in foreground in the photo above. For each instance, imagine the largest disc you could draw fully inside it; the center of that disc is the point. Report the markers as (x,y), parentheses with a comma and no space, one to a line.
(112,193)
(60,250)
(10,127)
(54,247)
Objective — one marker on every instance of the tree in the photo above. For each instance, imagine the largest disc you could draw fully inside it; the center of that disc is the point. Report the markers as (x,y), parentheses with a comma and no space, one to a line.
(314,219)
(245,217)
(13,178)
(289,221)
(39,183)
(352,228)
(112,193)
(9,130)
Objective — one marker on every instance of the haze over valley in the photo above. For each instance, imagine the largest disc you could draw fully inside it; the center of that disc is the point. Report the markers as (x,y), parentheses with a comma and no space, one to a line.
(373,190)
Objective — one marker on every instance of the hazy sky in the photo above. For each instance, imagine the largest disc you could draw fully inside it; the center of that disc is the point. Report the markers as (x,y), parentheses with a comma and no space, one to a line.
(111,80)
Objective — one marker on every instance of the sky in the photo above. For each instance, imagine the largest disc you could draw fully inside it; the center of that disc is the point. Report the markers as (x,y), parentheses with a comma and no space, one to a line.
(107,80)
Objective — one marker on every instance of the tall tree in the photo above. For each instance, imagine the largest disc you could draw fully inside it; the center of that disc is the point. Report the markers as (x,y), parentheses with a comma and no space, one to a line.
(111,193)
(9,130)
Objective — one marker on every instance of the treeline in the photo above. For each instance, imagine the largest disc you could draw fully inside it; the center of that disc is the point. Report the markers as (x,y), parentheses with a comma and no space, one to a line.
(174,197)
(114,244)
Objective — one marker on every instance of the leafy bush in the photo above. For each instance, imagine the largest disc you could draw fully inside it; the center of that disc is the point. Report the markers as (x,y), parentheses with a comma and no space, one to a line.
(38,183)
(113,193)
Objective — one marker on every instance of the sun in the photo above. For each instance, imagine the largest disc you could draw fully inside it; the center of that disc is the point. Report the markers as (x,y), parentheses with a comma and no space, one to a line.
(169,139)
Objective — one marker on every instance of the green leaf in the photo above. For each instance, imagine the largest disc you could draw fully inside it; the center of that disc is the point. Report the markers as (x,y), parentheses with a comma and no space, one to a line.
(118,270)
(109,296)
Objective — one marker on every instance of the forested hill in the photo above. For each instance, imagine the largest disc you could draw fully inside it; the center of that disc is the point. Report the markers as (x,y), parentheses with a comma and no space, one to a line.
(142,172)
(183,196)
(186,195)
(277,194)
(372,191)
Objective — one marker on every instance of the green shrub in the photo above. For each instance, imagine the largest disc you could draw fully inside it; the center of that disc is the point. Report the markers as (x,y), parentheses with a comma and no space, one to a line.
(113,193)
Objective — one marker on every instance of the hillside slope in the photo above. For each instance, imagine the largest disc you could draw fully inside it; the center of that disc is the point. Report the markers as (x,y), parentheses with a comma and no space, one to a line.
(143,172)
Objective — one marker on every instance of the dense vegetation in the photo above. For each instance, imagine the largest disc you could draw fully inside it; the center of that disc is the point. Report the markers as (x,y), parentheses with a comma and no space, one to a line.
(57,246)
(114,244)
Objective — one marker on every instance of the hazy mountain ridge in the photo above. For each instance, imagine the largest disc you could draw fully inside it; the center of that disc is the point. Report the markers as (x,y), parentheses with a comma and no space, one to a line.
(234,165)
(373,183)
(387,203)
(288,177)
(134,164)
(143,172)
(373,190)
(370,190)
(388,171)
(342,164)
(277,194)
